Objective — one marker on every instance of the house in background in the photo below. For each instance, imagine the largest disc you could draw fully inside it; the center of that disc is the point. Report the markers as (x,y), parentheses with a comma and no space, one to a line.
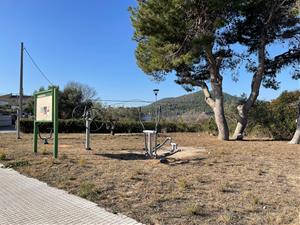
(13,99)
(8,108)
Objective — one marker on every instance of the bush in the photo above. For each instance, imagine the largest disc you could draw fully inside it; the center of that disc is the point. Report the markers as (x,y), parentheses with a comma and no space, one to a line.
(78,126)
(2,156)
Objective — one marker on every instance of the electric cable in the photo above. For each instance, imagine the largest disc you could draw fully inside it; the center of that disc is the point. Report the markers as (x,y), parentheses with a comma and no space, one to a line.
(39,69)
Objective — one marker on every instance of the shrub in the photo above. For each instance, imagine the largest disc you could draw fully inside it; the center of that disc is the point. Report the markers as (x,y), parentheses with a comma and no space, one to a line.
(78,126)
(87,190)
(2,156)
(195,210)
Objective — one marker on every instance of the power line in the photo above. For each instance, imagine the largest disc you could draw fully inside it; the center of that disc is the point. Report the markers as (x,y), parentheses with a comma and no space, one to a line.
(35,64)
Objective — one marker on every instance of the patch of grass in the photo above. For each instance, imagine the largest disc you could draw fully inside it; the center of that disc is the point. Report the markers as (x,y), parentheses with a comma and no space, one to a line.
(63,156)
(182,184)
(256,200)
(87,190)
(2,156)
(225,187)
(44,151)
(82,162)
(195,210)
(225,218)
(18,163)
(137,175)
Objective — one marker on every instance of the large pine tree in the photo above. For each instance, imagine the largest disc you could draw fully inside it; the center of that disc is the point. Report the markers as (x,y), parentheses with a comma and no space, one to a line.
(185,37)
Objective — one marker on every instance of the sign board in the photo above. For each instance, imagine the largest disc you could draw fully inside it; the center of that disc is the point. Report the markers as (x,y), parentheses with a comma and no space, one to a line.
(46,111)
(44,107)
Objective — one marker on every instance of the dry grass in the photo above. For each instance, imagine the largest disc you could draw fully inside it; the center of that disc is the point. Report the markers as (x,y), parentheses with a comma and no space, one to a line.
(246,183)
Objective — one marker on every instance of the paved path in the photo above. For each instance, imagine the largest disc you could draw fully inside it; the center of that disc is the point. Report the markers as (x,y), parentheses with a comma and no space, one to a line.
(26,200)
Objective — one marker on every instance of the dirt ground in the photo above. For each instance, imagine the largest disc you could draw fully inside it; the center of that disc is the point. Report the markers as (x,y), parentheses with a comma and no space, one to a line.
(209,182)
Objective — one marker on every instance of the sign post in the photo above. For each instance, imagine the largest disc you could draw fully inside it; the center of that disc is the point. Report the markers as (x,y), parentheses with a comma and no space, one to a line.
(46,111)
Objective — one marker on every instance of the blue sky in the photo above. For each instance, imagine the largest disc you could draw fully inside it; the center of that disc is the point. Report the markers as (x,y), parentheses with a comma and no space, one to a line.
(89,42)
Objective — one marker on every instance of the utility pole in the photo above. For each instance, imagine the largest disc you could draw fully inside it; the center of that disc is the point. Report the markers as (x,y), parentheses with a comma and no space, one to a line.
(20,111)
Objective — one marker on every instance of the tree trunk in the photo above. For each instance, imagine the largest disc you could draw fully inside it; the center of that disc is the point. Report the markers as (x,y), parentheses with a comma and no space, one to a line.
(216,81)
(223,131)
(296,137)
(243,109)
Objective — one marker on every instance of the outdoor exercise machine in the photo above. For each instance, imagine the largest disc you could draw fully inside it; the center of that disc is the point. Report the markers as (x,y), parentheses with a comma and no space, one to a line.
(88,113)
(151,136)
(45,112)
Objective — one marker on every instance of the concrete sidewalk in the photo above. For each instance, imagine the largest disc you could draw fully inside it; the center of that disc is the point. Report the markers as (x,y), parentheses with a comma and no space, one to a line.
(26,200)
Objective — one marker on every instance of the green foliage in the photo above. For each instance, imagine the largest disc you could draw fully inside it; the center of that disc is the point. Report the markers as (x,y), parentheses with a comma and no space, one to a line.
(276,118)
(284,112)
(2,156)
(78,126)
(88,190)
(174,35)
(261,24)
(72,95)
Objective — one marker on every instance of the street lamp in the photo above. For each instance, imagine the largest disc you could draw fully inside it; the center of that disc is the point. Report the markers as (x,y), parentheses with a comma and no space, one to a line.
(156,93)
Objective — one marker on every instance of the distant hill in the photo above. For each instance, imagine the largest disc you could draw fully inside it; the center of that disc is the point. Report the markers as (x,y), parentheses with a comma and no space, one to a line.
(188,107)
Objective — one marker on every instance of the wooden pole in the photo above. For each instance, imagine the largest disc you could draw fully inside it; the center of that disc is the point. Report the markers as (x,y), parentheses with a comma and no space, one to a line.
(20,111)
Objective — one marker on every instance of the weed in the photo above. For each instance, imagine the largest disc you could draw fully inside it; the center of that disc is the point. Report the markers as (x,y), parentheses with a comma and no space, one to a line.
(195,210)
(225,218)
(87,190)
(63,156)
(19,163)
(182,184)
(2,156)
(82,162)
(44,151)
(225,187)
(256,200)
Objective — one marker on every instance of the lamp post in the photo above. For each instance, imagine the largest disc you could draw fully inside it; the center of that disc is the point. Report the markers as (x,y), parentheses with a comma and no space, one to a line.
(155,91)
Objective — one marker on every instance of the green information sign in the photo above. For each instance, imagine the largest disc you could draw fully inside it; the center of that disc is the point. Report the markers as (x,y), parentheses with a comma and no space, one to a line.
(46,111)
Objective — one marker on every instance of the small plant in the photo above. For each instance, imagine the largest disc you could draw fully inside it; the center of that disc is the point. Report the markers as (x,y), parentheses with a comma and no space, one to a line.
(195,210)
(82,162)
(256,201)
(87,190)
(225,187)
(44,151)
(225,219)
(182,184)
(18,163)
(2,156)
(63,156)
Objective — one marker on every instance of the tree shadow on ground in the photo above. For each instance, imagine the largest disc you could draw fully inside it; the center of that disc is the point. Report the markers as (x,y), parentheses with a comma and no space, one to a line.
(256,139)
(177,162)
(123,156)
(139,156)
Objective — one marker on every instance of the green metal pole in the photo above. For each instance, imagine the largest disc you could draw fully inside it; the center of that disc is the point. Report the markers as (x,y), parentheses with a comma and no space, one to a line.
(55,122)
(35,128)
(35,136)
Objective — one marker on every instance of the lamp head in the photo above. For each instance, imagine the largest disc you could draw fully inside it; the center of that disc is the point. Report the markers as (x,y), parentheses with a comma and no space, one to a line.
(155,91)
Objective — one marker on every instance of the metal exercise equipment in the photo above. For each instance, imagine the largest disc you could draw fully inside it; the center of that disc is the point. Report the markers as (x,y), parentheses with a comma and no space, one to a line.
(151,145)
(88,113)
(45,138)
